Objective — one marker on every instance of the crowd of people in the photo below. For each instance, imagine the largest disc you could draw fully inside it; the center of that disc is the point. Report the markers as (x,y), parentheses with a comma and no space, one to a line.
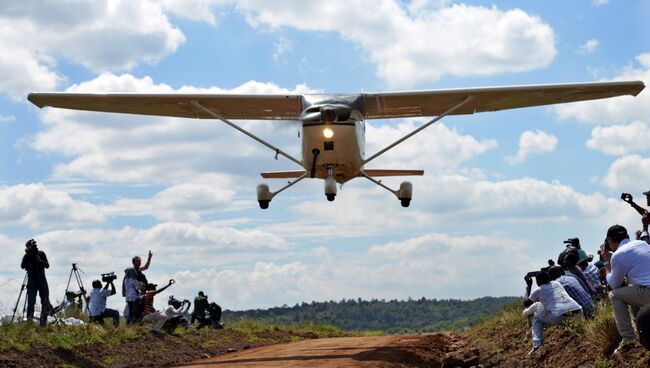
(578,284)
(137,291)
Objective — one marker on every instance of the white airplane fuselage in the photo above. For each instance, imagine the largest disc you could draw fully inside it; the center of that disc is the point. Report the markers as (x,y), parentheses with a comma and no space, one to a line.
(342,153)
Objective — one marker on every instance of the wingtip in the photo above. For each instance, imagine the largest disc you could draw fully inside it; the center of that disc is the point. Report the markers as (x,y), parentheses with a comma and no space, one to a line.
(33,98)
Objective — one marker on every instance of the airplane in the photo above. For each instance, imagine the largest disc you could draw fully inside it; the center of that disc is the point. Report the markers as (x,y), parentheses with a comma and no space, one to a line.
(333,127)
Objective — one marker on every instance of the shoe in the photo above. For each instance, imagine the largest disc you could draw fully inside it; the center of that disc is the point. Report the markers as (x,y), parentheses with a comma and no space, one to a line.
(625,345)
(534,349)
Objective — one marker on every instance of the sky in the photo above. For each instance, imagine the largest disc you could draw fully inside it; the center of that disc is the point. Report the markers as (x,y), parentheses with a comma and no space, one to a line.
(500,194)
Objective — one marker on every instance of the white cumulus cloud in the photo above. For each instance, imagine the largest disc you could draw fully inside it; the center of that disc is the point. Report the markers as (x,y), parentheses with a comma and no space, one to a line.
(410,48)
(533,143)
(620,140)
(37,206)
(628,174)
(101,35)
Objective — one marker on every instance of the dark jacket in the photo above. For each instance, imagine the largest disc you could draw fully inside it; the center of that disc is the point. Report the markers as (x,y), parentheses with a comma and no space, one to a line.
(35,269)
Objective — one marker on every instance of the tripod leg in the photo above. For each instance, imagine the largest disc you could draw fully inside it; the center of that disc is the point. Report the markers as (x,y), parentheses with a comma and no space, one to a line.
(22,288)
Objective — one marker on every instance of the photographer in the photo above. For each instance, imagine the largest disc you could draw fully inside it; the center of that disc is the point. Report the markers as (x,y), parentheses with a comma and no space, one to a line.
(35,262)
(97,306)
(555,306)
(630,259)
(200,305)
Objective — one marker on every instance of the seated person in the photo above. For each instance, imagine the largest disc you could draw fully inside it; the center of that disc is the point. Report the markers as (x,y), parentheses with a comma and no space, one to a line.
(200,305)
(555,307)
(97,306)
(573,288)
(170,318)
(150,292)
(571,269)
(214,317)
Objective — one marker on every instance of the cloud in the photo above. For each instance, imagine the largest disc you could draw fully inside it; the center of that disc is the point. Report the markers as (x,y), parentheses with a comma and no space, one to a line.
(181,202)
(599,2)
(459,40)
(100,35)
(7,118)
(619,140)
(196,10)
(589,46)
(618,110)
(435,149)
(37,206)
(147,149)
(282,47)
(628,174)
(533,143)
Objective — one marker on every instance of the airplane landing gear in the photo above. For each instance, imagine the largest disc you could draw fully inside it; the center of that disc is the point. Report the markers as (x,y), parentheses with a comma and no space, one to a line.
(330,185)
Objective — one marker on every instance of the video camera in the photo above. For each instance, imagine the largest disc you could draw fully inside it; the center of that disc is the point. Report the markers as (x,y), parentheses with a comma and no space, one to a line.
(109,277)
(175,302)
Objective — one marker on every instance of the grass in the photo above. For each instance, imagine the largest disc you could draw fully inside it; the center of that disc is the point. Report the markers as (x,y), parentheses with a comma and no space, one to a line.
(23,336)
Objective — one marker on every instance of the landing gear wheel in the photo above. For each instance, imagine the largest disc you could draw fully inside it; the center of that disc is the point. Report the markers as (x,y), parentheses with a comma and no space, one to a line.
(405,202)
(264,204)
(330,197)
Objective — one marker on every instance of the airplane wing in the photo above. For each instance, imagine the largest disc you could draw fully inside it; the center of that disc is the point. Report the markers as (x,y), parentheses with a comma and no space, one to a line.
(433,103)
(388,172)
(263,107)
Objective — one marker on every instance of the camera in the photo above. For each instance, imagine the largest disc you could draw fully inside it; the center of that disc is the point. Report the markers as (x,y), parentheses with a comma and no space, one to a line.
(572,242)
(109,277)
(175,302)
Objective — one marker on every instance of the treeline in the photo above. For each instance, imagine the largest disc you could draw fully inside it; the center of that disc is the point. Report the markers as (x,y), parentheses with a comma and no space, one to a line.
(394,316)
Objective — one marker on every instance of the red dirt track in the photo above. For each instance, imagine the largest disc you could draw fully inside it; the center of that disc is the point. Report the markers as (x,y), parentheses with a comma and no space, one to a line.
(374,351)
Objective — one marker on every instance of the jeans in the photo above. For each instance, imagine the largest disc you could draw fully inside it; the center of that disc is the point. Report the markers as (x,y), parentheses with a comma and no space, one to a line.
(541,318)
(108,313)
(622,298)
(135,311)
(41,288)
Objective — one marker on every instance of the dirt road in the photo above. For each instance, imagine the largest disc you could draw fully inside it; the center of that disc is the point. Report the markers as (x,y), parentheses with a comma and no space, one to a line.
(374,351)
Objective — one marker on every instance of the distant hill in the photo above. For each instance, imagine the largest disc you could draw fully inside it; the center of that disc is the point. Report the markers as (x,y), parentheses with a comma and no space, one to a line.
(394,316)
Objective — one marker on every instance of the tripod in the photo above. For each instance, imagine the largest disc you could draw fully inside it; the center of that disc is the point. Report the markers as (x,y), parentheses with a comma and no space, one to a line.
(20,294)
(82,292)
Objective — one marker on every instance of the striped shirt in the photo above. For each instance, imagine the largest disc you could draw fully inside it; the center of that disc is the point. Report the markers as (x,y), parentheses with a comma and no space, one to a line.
(578,293)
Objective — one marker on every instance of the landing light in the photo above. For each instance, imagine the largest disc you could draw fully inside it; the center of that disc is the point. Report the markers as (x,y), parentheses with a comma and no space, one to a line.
(328,133)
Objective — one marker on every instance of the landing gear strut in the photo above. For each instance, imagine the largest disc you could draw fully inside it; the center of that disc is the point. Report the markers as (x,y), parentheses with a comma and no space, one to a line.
(330,185)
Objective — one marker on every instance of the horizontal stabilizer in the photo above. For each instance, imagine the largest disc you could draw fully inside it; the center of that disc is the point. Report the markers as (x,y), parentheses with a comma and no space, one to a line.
(283,174)
(385,172)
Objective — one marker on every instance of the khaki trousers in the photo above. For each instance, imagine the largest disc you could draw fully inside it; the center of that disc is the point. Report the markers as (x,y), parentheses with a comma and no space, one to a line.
(624,297)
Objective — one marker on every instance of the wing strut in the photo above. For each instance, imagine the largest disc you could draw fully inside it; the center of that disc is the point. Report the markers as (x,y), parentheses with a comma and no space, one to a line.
(466,100)
(251,135)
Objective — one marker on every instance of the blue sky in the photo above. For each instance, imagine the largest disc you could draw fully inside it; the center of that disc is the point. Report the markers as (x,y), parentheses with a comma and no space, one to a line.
(501,191)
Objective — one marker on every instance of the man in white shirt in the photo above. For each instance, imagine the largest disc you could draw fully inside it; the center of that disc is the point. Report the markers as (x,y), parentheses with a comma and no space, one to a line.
(97,306)
(630,260)
(555,306)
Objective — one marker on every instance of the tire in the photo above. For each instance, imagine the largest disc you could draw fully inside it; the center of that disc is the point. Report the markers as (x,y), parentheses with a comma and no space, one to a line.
(405,202)
(264,204)
(330,196)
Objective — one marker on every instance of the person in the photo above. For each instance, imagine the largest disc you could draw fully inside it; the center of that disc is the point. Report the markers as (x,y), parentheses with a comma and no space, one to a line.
(555,306)
(137,262)
(572,269)
(35,262)
(170,318)
(132,292)
(572,246)
(630,259)
(591,273)
(97,307)
(200,305)
(147,299)
(214,317)
(573,288)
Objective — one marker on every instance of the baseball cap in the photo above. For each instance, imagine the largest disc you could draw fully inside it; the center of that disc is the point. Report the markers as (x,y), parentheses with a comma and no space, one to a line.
(616,229)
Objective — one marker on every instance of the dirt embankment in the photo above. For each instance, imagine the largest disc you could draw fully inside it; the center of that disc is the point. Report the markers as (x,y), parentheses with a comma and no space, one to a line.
(232,348)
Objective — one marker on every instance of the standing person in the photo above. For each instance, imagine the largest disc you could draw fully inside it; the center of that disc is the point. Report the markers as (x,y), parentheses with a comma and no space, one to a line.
(132,293)
(630,259)
(35,262)
(200,305)
(555,306)
(137,262)
(97,307)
